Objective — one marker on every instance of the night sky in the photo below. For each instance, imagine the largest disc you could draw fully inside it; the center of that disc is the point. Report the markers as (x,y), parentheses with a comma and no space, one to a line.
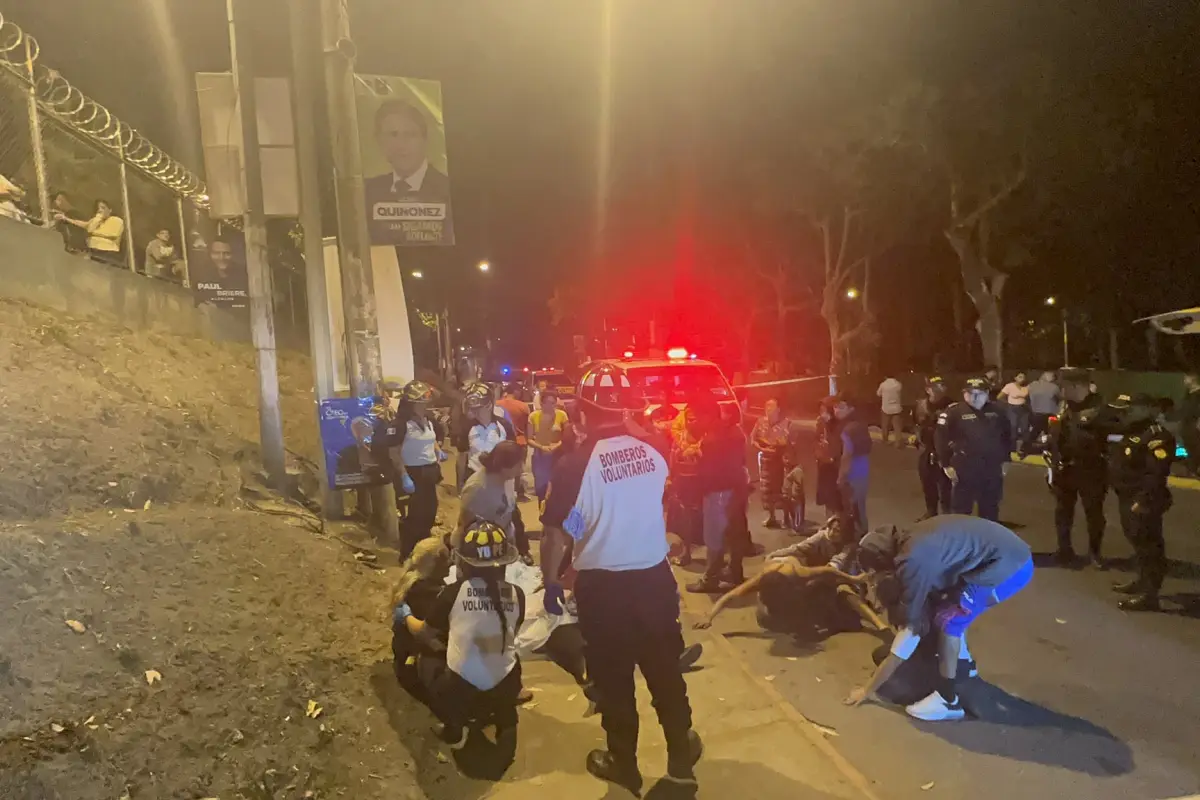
(703,93)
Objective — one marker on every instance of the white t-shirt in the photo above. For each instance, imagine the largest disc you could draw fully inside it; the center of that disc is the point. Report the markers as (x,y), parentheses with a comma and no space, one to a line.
(8,207)
(889,394)
(1015,395)
(483,439)
(478,649)
(608,496)
(418,449)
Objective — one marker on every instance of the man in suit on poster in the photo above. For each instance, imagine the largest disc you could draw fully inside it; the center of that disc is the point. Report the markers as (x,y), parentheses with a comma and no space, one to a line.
(402,133)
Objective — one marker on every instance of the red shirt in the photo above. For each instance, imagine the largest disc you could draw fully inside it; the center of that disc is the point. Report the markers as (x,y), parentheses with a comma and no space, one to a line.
(519,412)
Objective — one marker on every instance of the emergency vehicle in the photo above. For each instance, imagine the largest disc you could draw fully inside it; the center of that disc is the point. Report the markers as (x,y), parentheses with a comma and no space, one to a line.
(675,380)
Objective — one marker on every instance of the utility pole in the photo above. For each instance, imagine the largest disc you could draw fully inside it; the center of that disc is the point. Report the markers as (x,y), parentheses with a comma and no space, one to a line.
(258,271)
(354,244)
(302,14)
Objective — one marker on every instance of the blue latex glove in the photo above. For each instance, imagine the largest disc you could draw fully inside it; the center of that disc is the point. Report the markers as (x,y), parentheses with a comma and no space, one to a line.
(552,599)
(442,455)
(406,483)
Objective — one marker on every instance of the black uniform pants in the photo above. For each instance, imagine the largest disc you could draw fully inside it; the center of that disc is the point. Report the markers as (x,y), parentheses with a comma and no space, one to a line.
(978,485)
(631,619)
(1144,530)
(1087,485)
(422,506)
(458,704)
(934,483)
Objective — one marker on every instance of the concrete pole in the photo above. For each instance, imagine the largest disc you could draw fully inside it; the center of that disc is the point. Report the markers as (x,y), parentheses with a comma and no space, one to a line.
(258,271)
(354,243)
(35,138)
(302,14)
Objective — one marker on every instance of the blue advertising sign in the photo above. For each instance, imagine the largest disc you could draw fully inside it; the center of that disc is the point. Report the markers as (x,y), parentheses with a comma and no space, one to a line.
(346,427)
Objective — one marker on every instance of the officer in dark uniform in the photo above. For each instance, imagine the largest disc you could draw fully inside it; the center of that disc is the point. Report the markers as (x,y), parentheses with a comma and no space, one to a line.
(1076,448)
(934,481)
(606,504)
(1140,466)
(974,446)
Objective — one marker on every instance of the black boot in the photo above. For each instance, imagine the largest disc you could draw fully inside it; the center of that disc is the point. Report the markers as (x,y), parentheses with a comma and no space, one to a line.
(1064,557)
(1147,601)
(608,767)
(681,767)
(690,656)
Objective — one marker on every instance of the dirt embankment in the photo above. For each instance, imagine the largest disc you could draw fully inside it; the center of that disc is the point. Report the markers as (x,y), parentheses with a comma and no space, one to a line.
(161,640)
(97,416)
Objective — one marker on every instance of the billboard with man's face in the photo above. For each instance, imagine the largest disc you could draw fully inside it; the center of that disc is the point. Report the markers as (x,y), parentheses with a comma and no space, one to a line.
(217,262)
(403,142)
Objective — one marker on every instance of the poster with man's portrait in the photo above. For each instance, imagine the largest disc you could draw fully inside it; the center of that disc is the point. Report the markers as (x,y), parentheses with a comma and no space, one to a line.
(403,143)
(217,262)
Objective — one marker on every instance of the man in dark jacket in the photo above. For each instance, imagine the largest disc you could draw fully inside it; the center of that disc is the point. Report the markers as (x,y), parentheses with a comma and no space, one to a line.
(855,470)
(1140,468)
(1076,452)
(950,569)
(974,446)
(722,476)
(935,484)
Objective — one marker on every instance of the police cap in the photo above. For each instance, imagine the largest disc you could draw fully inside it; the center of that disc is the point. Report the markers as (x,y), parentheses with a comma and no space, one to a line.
(977,384)
(1074,375)
(1131,401)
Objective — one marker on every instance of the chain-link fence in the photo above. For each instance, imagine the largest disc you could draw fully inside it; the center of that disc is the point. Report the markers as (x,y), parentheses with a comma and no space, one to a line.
(63,157)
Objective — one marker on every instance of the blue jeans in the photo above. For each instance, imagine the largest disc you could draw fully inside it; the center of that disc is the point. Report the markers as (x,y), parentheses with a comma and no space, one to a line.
(542,465)
(1018,418)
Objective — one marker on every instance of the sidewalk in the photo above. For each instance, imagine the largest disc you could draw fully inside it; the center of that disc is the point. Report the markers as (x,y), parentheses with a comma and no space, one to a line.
(757,745)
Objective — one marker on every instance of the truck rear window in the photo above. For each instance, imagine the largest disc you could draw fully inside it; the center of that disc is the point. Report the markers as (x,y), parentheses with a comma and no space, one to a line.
(681,382)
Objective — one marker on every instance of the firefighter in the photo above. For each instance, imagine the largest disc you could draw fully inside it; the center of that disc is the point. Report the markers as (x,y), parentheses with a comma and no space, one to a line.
(1140,466)
(974,446)
(606,504)
(1075,446)
(934,482)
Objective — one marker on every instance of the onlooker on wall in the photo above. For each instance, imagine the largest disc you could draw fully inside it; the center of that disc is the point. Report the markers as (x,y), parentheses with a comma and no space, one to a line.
(105,232)
(10,195)
(74,238)
(161,259)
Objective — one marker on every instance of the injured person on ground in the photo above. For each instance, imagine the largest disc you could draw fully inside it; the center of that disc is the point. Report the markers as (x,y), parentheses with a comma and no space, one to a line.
(809,586)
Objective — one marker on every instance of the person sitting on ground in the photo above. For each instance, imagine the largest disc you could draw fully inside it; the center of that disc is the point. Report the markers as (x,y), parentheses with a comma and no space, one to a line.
(478,617)
(810,583)
(794,500)
(416,649)
(950,569)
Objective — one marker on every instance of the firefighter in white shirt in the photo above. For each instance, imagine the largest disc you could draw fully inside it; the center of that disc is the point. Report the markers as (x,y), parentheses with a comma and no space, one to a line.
(606,502)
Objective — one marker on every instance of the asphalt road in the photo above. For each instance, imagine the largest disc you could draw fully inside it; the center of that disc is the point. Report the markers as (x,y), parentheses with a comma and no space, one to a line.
(1077,699)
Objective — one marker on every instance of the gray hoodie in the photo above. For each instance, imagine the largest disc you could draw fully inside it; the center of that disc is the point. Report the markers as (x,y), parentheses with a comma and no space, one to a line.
(947,551)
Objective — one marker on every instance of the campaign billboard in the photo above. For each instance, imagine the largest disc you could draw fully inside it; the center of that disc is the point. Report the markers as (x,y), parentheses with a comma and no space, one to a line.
(402,139)
(346,425)
(217,262)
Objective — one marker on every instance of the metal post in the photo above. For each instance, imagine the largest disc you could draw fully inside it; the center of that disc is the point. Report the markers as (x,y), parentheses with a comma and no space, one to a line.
(258,271)
(450,365)
(130,258)
(183,241)
(35,137)
(354,246)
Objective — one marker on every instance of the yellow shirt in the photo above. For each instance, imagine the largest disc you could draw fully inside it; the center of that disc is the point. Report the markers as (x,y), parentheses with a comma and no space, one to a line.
(105,234)
(554,434)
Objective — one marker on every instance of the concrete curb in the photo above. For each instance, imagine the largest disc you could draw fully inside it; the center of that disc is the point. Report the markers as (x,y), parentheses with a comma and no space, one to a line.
(1191,484)
(698,606)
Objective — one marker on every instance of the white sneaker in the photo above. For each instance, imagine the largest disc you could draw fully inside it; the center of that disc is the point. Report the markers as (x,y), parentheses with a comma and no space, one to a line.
(934,708)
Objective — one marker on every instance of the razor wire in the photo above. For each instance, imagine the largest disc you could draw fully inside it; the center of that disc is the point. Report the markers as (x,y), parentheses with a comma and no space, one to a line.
(62,101)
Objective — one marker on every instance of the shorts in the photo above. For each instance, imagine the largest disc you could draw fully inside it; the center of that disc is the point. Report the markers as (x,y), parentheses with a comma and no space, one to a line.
(976,599)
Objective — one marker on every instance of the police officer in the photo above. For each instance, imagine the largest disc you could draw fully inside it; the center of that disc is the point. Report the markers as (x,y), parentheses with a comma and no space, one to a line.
(974,445)
(1075,445)
(934,481)
(606,502)
(1140,466)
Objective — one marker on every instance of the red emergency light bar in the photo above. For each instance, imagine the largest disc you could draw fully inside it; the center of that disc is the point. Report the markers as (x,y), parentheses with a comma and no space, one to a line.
(678,353)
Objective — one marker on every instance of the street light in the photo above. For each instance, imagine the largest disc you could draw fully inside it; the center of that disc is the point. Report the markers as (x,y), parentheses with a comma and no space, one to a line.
(1053,301)
(852,293)
(416,273)
(484,266)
